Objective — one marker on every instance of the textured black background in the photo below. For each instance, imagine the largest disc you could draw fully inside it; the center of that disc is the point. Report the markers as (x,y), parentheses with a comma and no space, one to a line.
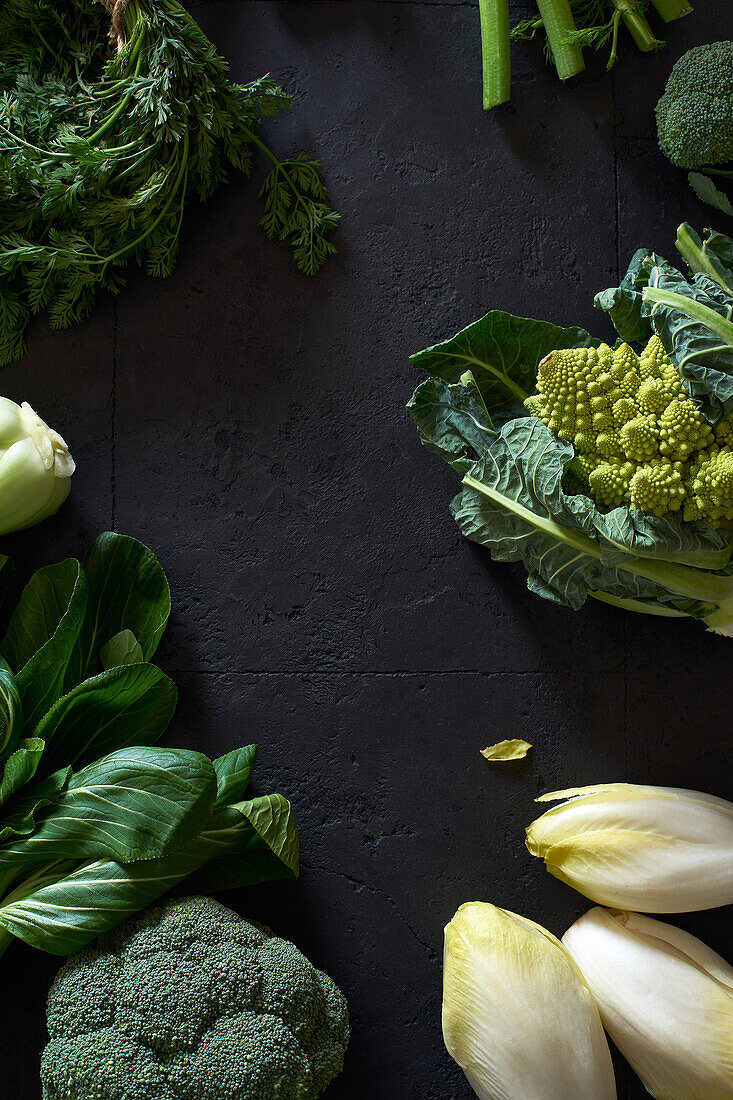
(248,424)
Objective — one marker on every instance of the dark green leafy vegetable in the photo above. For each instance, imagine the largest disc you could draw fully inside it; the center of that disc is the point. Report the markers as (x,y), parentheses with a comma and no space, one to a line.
(124,705)
(122,649)
(95,822)
(11,711)
(136,803)
(20,767)
(65,904)
(101,150)
(501,351)
(515,496)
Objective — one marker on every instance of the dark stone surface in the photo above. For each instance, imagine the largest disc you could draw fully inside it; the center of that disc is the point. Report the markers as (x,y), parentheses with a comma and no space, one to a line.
(249,425)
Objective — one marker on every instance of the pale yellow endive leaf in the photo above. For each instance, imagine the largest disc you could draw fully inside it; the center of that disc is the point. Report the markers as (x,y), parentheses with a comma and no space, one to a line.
(517,1015)
(643,848)
(665,998)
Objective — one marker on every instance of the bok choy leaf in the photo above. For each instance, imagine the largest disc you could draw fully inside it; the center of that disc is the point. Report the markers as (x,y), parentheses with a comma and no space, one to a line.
(95,821)
(243,843)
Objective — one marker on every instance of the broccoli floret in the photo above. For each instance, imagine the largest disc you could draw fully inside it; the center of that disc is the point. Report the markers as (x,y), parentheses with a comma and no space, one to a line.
(695,113)
(639,439)
(653,396)
(653,359)
(248,1055)
(191,1002)
(103,1065)
(624,410)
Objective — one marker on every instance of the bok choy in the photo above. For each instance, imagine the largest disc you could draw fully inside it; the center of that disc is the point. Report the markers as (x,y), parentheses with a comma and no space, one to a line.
(96,821)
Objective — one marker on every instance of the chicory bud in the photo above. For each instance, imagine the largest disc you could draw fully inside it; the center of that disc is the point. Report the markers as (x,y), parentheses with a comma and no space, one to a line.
(665,999)
(649,849)
(518,1017)
(35,468)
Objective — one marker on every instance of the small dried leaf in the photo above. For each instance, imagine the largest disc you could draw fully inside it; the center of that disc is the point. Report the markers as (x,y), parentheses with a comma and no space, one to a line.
(506,750)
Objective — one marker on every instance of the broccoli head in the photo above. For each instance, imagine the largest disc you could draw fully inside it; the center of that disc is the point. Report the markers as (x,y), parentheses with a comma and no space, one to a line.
(189,1001)
(695,113)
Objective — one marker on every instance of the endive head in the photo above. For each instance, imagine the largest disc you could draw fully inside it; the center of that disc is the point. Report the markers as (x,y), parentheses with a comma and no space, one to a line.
(665,999)
(35,468)
(517,1016)
(654,849)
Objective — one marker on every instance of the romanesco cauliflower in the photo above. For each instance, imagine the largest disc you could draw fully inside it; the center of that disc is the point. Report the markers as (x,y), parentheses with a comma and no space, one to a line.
(639,439)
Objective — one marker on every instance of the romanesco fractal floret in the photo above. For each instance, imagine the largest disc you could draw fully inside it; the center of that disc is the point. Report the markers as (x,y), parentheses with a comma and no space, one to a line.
(711,485)
(657,487)
(639,440)
(191,1002)
(609,482)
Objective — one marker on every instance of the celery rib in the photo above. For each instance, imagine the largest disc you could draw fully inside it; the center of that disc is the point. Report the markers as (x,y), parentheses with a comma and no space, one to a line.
(637,25)
(672,9)
(559,23)
(494,15)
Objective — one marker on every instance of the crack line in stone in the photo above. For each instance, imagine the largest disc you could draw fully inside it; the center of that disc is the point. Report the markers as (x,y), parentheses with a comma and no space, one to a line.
(617,670)
(380,893)
(113,413)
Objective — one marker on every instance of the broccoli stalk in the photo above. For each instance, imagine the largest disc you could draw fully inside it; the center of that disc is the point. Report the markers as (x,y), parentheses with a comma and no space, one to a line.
(557,16)
(672,9)
(494,15)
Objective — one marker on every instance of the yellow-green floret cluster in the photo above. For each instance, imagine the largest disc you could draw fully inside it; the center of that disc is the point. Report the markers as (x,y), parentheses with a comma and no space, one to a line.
(639,439)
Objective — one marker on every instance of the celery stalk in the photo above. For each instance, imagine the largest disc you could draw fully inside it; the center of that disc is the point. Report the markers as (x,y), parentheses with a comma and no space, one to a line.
(494,15)
(557,17)
(638,25)
(672,9)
